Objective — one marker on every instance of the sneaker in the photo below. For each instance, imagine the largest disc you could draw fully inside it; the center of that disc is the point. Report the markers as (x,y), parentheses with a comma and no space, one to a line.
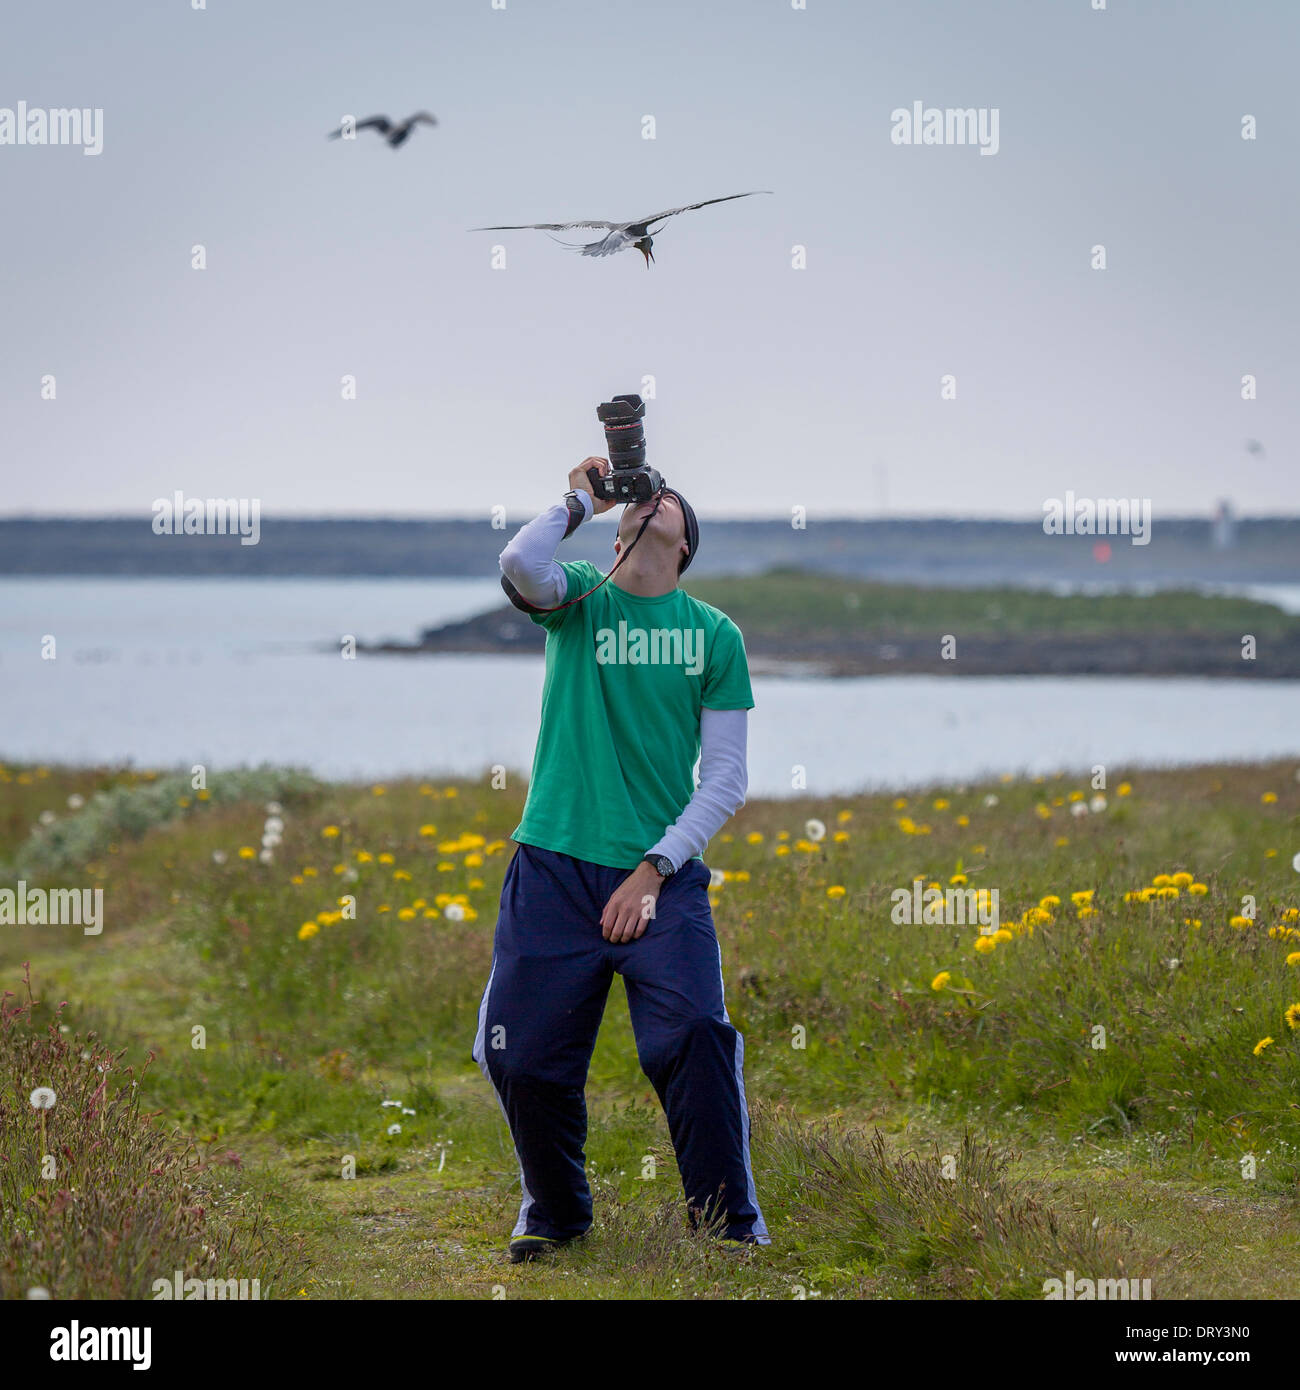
(531,1247)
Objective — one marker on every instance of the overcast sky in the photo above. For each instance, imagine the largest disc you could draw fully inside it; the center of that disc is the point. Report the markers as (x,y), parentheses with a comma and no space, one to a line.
(775,387)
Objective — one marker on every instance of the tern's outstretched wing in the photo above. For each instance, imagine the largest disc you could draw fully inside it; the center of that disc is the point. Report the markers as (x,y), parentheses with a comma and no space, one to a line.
(380,123)
(547,226)
(690,207)
(425,116)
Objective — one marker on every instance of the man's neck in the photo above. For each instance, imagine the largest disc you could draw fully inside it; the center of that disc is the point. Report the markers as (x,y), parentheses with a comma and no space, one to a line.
(644,580)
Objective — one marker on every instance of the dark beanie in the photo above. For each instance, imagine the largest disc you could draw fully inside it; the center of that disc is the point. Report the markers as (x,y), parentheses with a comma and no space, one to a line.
(692,527)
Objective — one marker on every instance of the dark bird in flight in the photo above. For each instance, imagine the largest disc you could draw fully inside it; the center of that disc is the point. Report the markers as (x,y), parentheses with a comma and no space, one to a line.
(618,235)
(394,132)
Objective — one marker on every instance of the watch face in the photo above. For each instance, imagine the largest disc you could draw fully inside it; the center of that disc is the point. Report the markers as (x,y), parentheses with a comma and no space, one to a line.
(665,866)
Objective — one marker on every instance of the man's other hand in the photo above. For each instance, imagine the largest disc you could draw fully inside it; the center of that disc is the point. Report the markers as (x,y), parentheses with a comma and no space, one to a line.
(579,481)
(632,907)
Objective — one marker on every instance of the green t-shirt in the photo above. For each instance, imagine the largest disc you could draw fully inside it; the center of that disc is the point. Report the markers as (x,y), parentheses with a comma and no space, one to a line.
(626,678)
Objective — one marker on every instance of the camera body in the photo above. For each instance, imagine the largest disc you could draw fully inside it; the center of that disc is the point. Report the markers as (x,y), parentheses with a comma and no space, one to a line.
(629,479)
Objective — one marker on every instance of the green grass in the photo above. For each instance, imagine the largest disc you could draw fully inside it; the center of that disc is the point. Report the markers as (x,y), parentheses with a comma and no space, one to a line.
(968,1141)
(836,609)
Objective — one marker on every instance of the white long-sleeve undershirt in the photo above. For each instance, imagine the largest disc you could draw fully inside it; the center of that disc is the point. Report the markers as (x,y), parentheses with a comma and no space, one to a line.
(529,563)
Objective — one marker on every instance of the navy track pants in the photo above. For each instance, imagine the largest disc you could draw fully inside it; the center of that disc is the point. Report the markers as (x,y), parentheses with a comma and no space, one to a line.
(537,1024)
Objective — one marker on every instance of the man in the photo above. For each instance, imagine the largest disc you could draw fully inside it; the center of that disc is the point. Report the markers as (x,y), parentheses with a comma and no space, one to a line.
(641,678)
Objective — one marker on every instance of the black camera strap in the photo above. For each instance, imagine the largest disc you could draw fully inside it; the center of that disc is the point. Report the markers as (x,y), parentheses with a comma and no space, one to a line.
(659,497)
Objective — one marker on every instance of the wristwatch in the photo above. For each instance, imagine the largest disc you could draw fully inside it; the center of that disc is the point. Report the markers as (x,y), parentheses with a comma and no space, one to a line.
(661,864)
(577,512)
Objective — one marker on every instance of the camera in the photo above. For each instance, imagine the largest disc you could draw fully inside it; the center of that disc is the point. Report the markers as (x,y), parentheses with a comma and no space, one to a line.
(629,479)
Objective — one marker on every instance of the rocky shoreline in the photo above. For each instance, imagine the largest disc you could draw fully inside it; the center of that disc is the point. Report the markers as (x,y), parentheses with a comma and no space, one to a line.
(507,631)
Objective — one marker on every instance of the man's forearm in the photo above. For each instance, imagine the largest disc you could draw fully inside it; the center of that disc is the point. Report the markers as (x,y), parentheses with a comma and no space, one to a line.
(529,562)
(724,780)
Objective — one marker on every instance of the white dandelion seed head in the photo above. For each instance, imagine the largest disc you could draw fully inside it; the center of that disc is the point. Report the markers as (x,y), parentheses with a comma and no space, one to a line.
(274,825)
(990,800)
(815,829)
(42,1098)
(1079,808)
(716,878)
(218,856)
(266,857)
(454,912)
(1097,804)
(47,818)
(75,802)
(270,840)
(394,1129)
(405,1111)
(273,808)
(38,1292)
(390,1102)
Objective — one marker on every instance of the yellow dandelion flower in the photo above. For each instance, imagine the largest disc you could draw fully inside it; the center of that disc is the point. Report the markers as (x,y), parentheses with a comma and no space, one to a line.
(1043,812)
(1240,923)
(247,852)
(428,831)
(1168,892)
(782,849)
(1002,934)
(843,816)
(1198,890)
(1269,798)
(840,836)
(1161,881)
(445,867)
(1261,1045)
(963,821)
(900,803)
(378,791)
(985,944)
(958,880)
(782,834)
(1123,789)
(940,981)
(386,859)
(1083,897)
(308,871)
(473,861)
(365,857)
(297,880)
(450,791)
(940,804)
(406,914)
(330,832)
(402,875)
(1076,796)
(836,890)
(1061,842)
(755,837)
(1292,1016)
(204,795)
(476,883)
(742,875)
(494,847)
(1292,914)
(308,929)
